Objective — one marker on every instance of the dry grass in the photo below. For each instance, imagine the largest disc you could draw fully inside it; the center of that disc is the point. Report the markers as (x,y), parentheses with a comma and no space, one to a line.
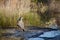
(7,19)
(31,19)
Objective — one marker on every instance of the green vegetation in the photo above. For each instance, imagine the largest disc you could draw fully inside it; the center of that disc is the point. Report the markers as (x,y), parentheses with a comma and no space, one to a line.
(11,20)
(38,17)
(42,10)
(7,20)
(31,19)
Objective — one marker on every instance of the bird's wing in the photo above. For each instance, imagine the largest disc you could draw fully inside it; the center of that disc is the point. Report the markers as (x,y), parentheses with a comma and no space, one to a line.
(21,24)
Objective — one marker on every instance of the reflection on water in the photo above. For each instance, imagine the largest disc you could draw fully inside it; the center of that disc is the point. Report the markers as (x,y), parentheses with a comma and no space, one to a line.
(30,35)
(50,34)
(36,39)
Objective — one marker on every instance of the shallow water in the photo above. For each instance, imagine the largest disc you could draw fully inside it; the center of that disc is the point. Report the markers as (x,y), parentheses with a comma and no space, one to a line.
(51,34)
(35,39)
(31,34)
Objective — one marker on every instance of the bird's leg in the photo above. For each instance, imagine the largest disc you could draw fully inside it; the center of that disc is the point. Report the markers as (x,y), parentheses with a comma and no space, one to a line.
(22,29)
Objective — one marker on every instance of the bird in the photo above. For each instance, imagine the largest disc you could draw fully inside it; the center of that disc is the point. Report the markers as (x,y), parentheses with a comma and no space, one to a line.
(20,23)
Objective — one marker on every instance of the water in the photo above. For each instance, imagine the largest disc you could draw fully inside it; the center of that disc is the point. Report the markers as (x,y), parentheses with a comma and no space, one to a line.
(33,34)
(50,34)
(35,39)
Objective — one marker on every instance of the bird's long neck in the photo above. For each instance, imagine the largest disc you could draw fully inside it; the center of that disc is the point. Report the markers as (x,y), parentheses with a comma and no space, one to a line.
(21,19)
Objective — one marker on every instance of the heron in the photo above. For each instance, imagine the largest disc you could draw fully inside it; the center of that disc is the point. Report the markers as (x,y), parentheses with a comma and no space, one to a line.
(20,23)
